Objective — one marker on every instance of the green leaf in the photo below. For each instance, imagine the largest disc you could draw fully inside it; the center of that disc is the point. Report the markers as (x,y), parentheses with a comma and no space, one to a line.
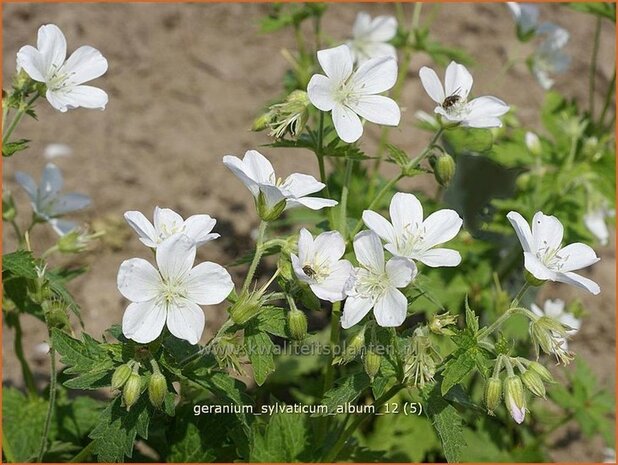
(472,321)
(446,421)
(457,368)
(11,148)
(468,140)
(23,419)
(602,9)
(283,440)
(272,320)
(20,263)
(259,349)
(346,391)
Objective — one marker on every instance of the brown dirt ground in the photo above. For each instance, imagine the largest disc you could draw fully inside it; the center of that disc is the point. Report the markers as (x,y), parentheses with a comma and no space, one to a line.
(186,81)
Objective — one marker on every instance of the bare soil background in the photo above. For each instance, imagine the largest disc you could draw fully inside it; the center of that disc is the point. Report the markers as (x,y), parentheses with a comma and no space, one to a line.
(185,83)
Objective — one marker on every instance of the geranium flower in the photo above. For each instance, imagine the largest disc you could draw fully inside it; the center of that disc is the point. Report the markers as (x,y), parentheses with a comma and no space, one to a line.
(370,37)
(374,284)
(319,264)
(64,79)
(172,293)
(257,173)
(47,201)
(452,99)
(544,257)
(595,221)
(549,58)
(352,95)
(411,237)
(526,16)
(167,223)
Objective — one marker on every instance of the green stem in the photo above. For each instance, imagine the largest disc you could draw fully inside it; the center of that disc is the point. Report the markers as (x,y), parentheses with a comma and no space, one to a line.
(17,118)
(83,454)
(7,450)
(343,205)
(335,330)
(51,405)
(608,99)
(499,322)
(593,66)
(520,294)
(259,250)
(332,454)
(19,352)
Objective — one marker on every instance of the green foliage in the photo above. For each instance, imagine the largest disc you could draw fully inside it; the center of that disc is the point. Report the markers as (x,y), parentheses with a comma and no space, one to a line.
(259,349)
(284,438)
(22,423)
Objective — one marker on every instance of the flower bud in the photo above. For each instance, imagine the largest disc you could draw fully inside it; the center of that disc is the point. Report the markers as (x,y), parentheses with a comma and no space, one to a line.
(246,307)
(157,389)
(261,122)
(533,382)
(352,348)
(76,241)
(533,280)
(533,143)
(121,375)
(132,389)
(523,181)
(9,211)
(371,362)
(514,398)
(56,314)
(493,394)
(543,372)
(297,322)
(443,168)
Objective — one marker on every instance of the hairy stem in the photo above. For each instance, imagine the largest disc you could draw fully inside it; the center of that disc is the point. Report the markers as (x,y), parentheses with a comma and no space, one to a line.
(259,250)
(593,66)
(19,352)
(51,405)
(343,205)
(608,99)
(16,119)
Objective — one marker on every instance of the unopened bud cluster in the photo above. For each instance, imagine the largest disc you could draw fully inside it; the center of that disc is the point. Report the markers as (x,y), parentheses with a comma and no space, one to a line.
(127,378)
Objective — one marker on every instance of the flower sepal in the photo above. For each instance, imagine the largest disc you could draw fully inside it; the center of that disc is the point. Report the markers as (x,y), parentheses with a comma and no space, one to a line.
(266,211)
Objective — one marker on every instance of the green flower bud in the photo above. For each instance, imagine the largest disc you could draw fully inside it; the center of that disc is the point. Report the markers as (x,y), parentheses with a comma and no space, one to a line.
(297,322)
(532,280)
(56,314)
(121,375)
(9,211)
(266,210)
(353,347)
(533,143)
(533,382)
(443,168)
(372,361)
(132,389)
(246,307)
(493,394)
(514,398)
(543,372)
(523,181)
(157,389)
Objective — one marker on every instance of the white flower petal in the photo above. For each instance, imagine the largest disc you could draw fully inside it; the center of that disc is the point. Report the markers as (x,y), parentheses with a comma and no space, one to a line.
(329,247)
(85,64)
(236,166)
(144,228)
(199,227)
(320,92)
(406,212)
(208,284)
(53,47)
(62,227)
(380,225)
(537,310)
(457,80)
(486,107)
(577,256)
(272,194)
(595,222)
(167,221)
(354,310)
(375,76)
(29,185)
(432,84)
(486,122)
(536,268)
(439,257)
(138,280)
(175,256)
(186,321)
(377,109)
(381,29)
(440,227)
(336,63)
(143,322)
(369,252)
(368,50)
(554,308)
(297,266)
(391,309)
(362,25)
(347,124)
(298,185)
(547,232)
(67,203)
(306,250)
(400,271)
(313,203)
(578,281)
(75,97)
(51,181)
(32,62)
(258,167)
(332,288)
(522,229)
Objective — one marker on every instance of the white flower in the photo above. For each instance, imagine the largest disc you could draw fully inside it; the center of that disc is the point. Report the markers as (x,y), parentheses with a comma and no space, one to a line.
(167,223)
(452,99)
(47,201)
(370,37)
(57,151)
(526,16)
(533,143)
(555,309)
(352,94)
(544,257)
(64,79)
(171,294)
(256,172)
(374,284)
(319,264)
(596,224)
(549,58)
(411,237)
